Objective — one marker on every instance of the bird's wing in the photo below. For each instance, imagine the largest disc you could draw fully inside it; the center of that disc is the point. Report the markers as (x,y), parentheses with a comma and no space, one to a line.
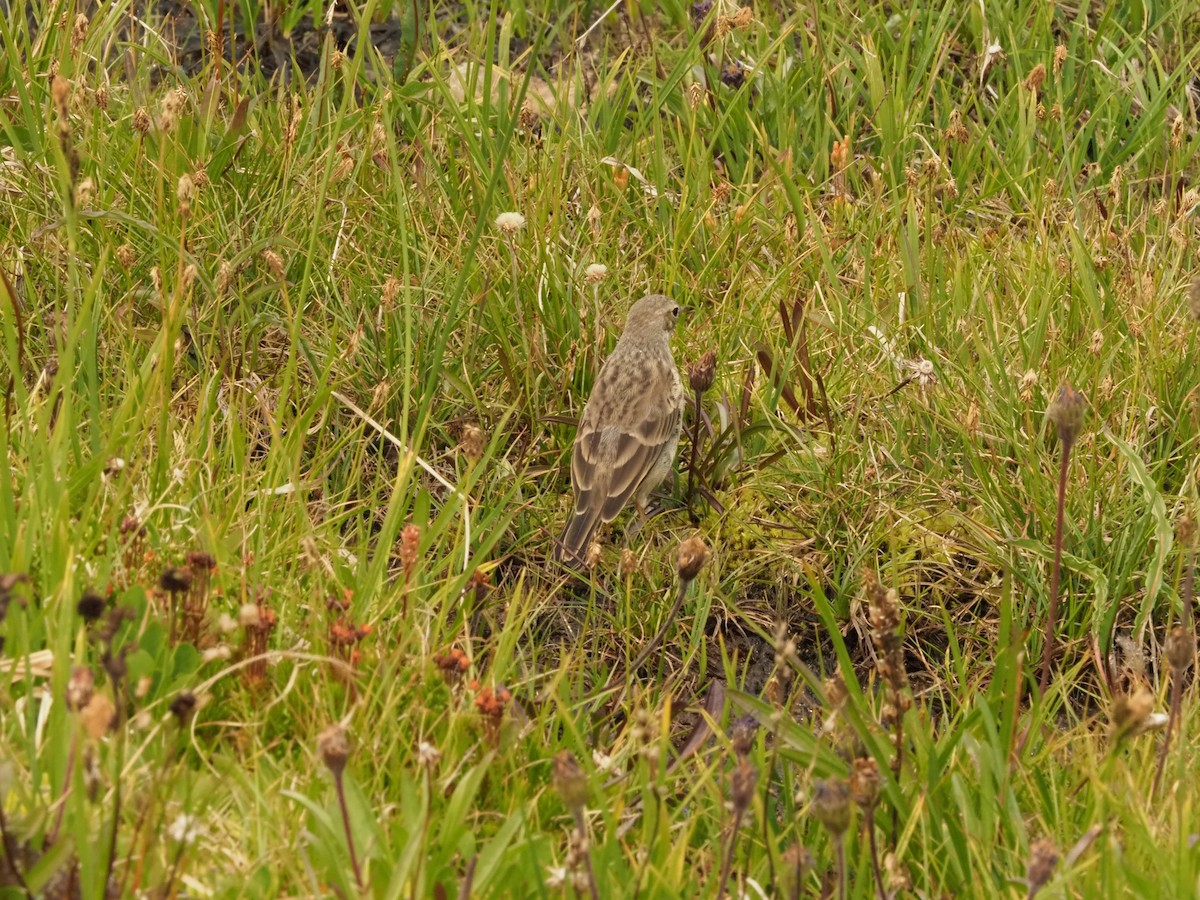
(609,462)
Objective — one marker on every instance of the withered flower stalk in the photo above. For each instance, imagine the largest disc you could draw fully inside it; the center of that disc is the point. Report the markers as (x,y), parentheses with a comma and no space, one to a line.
(741,794)
(1066,412)
(1181,650)
(700,379)
(693,553)
(884,608)
(333,746)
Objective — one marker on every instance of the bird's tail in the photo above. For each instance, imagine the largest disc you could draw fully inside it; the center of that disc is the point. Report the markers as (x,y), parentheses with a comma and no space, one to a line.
(573,544)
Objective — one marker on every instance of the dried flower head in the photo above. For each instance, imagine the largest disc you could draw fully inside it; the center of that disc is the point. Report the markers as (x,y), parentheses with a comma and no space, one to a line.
(831,805)
(85,192)
(1036,78)
(183,706)
(865,783)
(740,19)
(175,580)
(922,372)
(528,120)
(79,33)
(733,75)
(60,95)
(956,131)
(1043,857)
(410,542)
(741,787)
(91,606)
(629,563)
(595,273)
(570,781)
(333,746)
(473,443)
(97,716)
(452,664)
(693,553)
(1066,412)
(1181,649)
(1131,714)
(702,372)
(428,755)
(169,109)
(141,120)
(695,95)
(391,290)
(126,257)
(275,263)
(249,615)
(1060,57)
(1028,382)
(510,222)
(80,688)
(185,189)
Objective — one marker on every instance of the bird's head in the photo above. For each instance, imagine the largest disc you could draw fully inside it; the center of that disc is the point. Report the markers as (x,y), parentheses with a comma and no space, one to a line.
(653,316)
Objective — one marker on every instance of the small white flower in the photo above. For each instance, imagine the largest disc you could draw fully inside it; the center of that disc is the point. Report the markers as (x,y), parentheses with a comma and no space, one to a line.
(226,623)
(427,754)
(248,615)
(595,273)
(185,829)
(556,877)
(221,651)
(510,222)
(922,372)
(603,761)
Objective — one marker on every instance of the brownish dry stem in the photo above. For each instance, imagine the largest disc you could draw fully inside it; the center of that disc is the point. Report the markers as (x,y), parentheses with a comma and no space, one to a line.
(662,631)
(695,452)
(897,764)
(727,863)
(341,794)
(1048,640)
(841,866)
(1176,704)
(880,893)
(593,886)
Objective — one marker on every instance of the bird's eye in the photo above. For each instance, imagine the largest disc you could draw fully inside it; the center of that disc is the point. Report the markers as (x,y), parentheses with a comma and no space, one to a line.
(675,312)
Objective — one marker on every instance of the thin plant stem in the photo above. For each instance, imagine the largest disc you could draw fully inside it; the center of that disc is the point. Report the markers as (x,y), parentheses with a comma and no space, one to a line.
(1048,640)
(580,826)
(694,453)
(897,764)
(727,863)
(880,893)
(1176,704)
(841,865)
(341,794)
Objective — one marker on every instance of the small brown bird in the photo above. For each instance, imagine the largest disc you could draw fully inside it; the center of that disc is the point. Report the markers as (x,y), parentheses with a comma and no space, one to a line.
(629,430)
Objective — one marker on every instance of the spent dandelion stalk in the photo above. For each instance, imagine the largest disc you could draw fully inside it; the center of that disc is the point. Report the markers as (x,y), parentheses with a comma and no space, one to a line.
(884,606)
(1181,650)
(865,783)
(831,806)
(700,379)
(1066,412)
(333,746)
(571,783)
(693,553)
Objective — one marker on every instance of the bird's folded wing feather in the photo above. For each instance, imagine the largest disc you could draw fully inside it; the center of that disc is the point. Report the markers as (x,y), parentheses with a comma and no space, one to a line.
(610,462)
